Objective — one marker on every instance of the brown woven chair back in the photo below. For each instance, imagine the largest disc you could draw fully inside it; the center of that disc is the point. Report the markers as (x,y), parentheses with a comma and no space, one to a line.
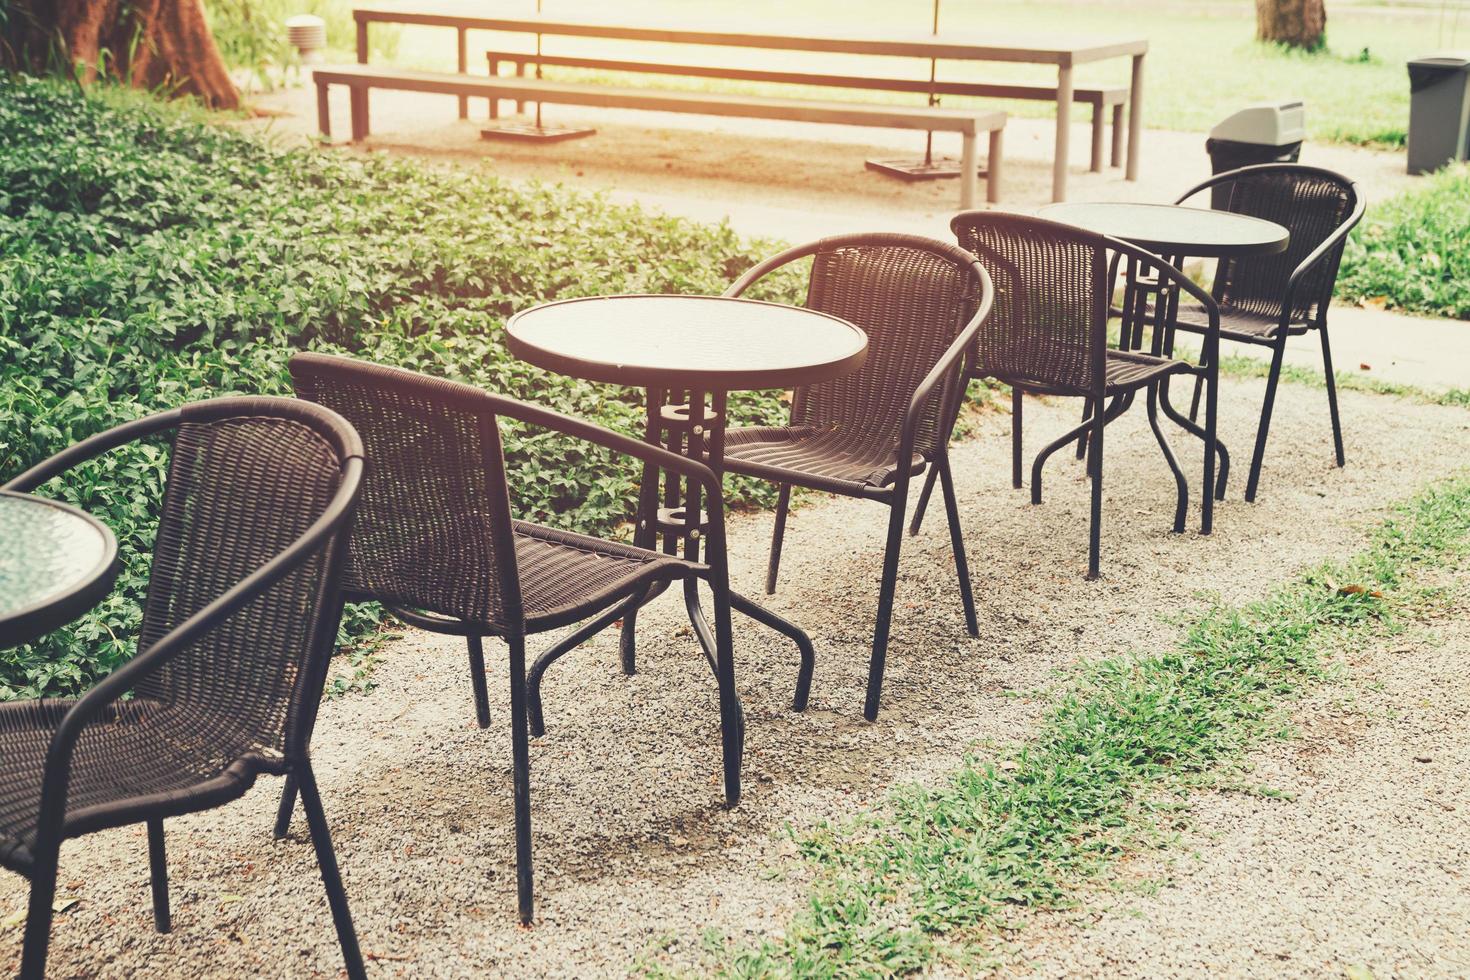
(912,297)
(433,526)
(1049,322)
(240,491)
(1310,203)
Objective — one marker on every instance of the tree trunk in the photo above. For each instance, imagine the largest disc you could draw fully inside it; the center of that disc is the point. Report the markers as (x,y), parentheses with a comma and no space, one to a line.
(153,44)
(1299,23)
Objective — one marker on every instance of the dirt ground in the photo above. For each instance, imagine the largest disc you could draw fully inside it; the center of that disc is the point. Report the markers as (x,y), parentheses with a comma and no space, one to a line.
(634,850)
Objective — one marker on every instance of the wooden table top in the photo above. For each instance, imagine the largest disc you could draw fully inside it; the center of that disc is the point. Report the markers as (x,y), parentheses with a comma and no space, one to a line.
(711,343)
(1052,49)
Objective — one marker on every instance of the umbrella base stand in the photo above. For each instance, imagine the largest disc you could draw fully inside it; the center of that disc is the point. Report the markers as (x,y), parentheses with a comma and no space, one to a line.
(531,133)
(935,168)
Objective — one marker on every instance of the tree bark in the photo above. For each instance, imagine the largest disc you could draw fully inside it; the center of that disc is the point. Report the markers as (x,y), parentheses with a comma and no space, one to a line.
(1298,23)
(153,44)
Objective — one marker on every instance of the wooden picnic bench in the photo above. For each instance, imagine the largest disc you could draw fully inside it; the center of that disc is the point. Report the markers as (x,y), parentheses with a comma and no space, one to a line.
(1061,51)
(1106,102)
(969,123)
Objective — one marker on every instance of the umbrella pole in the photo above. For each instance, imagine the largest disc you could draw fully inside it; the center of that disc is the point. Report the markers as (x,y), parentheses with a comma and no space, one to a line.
(930,168)
(535,132)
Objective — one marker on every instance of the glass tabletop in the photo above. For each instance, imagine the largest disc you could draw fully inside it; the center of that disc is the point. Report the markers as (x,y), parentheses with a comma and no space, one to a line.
(1172,229)
(52,559)
(705,342)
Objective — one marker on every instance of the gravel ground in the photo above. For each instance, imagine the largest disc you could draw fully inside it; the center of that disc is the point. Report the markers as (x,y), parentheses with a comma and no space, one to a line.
(632,844)
(1359,873)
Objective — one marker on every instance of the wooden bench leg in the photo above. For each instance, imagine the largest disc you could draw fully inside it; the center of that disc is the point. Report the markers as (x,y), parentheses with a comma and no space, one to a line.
(992,167)
(1099,119)
(494,102)
(464,67)
(1118,135)
(323,111)
(359,113)
(969,172)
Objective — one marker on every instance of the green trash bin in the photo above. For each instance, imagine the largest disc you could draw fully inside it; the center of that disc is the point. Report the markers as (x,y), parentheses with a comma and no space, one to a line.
(1439,110)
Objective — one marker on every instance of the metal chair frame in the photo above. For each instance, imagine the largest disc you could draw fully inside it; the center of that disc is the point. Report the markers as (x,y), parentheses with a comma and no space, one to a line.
(309,369)
(1323,259)
(942,381)
(52,827)
(1167,282)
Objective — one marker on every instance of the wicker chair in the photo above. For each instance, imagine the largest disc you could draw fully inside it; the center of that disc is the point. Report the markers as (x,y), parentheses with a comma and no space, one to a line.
(1048,335)
(921,303)
(435,541)
(240,621)
(1263,301)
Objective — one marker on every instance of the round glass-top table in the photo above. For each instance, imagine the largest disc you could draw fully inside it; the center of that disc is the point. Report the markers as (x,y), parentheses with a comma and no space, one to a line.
(56,562)
(689,352)
(1175,230)
(709,343)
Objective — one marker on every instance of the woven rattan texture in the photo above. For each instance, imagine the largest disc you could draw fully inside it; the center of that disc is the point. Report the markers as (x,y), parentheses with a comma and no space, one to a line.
(240,491)
(1311,205)
(432,505)
(1047,321)
(844,433)
(435,503)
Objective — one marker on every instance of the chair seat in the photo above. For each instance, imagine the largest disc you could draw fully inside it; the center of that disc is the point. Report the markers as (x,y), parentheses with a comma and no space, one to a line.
(819,457)
(564,576)
(1235,324)
(1133,369)
(139,759)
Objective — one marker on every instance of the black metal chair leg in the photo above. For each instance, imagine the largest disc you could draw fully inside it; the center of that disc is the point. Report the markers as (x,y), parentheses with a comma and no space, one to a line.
(1095,457)
(778,534)
(38,916)
(1117,407)
(957,543)
(1212,407)
(732,715)
(1181,486)
(786,628)
(521,755)
(1265,425)
(286,806)
(923,503)
(158,876)
(1332,395)
(477,680)
(576,638)
(326,858)
(1199,385)
(886,589)
(1222,477)
(1082,436)
(1016,437)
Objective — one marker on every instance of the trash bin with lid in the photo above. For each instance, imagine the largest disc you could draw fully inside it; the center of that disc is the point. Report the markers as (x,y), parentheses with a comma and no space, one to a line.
(1439,110)
(1266,132)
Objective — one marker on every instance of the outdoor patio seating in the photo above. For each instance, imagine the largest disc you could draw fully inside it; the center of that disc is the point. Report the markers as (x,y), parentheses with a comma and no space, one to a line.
(435,540)
(1048,336)
(921,303)
(240,620)
(1265,300)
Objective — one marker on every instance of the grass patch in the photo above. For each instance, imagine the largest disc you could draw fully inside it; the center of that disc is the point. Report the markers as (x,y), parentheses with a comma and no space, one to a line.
(1243,366)
(1412,252)
(934,875)
(148,258)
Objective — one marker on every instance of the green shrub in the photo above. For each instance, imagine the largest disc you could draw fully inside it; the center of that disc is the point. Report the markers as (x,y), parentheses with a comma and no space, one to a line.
(148,258)
(1413,250)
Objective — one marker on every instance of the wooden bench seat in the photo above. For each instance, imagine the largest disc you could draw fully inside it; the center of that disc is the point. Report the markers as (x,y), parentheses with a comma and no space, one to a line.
(969,123)
(1106,102)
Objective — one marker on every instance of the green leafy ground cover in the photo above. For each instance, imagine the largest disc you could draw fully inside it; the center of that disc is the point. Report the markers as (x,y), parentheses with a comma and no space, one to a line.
(929,879)
(148,258)
(1412,252)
